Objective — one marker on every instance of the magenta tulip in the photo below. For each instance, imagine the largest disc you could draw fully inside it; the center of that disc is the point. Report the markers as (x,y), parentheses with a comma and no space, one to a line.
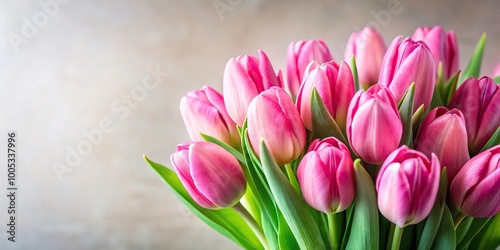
(443,132)
(368,48)
(444,47)
(326,176)
(244,78)
(299,55)
(479,101)
(272,116)
(374,127)
(203,111)
(211,175)
(407,185)
(407,62)
(476,189)
(335,86)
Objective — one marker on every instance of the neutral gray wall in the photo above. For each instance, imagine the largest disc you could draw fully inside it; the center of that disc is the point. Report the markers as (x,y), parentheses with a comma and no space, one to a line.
(66,78)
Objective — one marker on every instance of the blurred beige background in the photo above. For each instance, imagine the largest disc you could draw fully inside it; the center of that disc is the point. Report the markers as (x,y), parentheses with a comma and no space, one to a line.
(84,62)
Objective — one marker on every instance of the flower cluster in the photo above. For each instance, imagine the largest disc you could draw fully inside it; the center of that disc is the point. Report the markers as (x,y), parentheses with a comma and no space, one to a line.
(313,162)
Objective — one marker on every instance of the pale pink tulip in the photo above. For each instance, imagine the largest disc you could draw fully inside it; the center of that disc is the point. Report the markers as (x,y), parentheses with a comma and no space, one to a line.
(272,116)
(211,175)
(407,186)
(335,86)
(326,176)
(299,55)
(496,71)
(368,48)
(244,78)
(374,126)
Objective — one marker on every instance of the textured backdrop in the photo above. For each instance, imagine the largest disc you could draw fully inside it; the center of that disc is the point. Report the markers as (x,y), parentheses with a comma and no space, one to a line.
(72,85)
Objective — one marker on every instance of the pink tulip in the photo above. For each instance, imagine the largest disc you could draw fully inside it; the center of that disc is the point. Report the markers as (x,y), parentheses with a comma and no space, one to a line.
(203,111)
(299,55)
(335,86)
(476,188)
(496,71)
(244,78)
(368,48)
(272,116)
(443,133)
(479,101)
(374,127)
(444,47)
(211,175)
(326,176)
(407,185)
(407,62)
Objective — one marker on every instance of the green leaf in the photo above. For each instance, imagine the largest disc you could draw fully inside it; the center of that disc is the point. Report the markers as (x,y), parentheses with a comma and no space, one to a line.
(436,99)
(406,112)
(496,79)
(474,66)
(323,124)
(364,229)
(489,236)
(225,221)
(286,239)
(431,224)
(463,228)
(445,236)
(226,146)
(348,225)
(292,206)
(450,88)
(476,226)
(354,69)
(493,141)
(417,117)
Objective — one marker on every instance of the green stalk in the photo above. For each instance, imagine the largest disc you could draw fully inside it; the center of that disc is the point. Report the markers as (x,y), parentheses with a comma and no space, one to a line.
(252,223)
(460,217)
(332,231)
(396,240)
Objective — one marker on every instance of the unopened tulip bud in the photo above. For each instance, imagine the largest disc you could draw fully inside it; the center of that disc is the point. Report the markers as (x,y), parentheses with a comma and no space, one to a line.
(407,62)
(272,116)
(299,55)
(335,86)
(368,48)
(211,175)
(374,127)
(326,176)
(443,45)
(244,78)
(476,189)
(443,133)
(479,101)
(203,111)
(407,185)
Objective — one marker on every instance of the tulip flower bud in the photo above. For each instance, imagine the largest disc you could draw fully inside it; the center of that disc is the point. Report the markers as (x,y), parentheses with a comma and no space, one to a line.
(479,101)
(211,175)
(407,62)
(443,133)
(368,48)
(476,190)
(335,86)
(272,116)
(244,78)
(326,176)
(444,47)
(374,127)
(203,111)
(407,186)
(299,55)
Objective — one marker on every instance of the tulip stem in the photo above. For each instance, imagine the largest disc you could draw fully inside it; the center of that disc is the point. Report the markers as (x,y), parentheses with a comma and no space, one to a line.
(241,210)
(396,239)
(460,217)
(332,230)
(292,177)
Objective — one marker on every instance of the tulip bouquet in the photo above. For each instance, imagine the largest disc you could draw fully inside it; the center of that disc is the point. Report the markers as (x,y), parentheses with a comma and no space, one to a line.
(391,148)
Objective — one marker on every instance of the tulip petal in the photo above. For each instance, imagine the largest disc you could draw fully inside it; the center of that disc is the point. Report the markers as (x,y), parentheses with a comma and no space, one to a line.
(394,197)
